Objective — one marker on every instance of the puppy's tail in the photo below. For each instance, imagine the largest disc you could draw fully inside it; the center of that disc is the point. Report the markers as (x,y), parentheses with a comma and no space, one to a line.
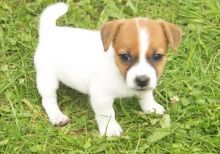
(50,15)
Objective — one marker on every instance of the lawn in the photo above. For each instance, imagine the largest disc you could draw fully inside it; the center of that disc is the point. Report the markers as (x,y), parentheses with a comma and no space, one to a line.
(191,125)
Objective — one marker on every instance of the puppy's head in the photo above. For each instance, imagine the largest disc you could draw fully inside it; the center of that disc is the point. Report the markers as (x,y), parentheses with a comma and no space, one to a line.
(140,48)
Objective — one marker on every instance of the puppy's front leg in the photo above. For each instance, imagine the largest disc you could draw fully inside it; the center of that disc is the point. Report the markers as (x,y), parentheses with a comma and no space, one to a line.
(102,105)
(149,105)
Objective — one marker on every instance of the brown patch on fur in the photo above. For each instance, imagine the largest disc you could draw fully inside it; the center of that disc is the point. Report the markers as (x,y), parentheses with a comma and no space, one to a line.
(108,32)
(173,34)
(159,40)
(126,41)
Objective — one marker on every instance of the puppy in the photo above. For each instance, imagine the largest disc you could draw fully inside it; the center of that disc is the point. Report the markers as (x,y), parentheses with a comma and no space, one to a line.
(123,59)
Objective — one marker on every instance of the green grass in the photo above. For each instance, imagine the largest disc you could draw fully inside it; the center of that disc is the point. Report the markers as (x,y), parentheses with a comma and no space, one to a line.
(191,125)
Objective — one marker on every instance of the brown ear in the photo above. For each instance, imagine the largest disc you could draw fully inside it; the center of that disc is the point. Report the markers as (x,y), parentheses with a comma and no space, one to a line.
(173,34)
(108,31)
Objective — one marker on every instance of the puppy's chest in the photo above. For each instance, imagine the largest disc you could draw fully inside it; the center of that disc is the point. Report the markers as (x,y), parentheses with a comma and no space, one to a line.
(118,88)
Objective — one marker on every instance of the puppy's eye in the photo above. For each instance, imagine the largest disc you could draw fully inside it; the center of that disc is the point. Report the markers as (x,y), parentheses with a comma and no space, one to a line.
(125,57)
(157,57)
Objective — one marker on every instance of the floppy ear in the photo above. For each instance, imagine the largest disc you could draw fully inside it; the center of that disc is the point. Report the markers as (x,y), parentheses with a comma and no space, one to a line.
(173,34)
(108,31)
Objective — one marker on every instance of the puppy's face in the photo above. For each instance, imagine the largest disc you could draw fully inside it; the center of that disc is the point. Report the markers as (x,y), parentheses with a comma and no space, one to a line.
(140,48)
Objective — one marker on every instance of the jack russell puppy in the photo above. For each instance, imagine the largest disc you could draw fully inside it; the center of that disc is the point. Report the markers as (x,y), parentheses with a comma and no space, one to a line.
(123,59)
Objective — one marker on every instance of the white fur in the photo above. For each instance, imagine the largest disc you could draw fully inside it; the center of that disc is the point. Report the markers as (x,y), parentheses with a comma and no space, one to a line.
(149,105)
(76,58)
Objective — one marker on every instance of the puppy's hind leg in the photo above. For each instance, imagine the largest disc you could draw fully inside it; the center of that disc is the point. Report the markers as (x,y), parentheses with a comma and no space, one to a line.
(47,84)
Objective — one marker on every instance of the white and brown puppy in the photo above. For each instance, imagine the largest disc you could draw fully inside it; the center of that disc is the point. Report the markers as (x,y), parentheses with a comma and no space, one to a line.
(124,59)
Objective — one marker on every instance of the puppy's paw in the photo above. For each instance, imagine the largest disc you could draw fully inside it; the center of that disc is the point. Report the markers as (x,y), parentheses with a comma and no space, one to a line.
(154,108)
(59,119)
(112,129)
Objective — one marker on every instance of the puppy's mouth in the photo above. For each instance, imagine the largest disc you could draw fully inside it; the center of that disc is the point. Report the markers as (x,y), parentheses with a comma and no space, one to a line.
(141,88)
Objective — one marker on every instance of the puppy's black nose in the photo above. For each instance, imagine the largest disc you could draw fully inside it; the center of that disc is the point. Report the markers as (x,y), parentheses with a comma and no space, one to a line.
(142,80)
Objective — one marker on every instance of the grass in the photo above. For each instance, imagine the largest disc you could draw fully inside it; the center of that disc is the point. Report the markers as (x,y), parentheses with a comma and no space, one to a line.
(191,125)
